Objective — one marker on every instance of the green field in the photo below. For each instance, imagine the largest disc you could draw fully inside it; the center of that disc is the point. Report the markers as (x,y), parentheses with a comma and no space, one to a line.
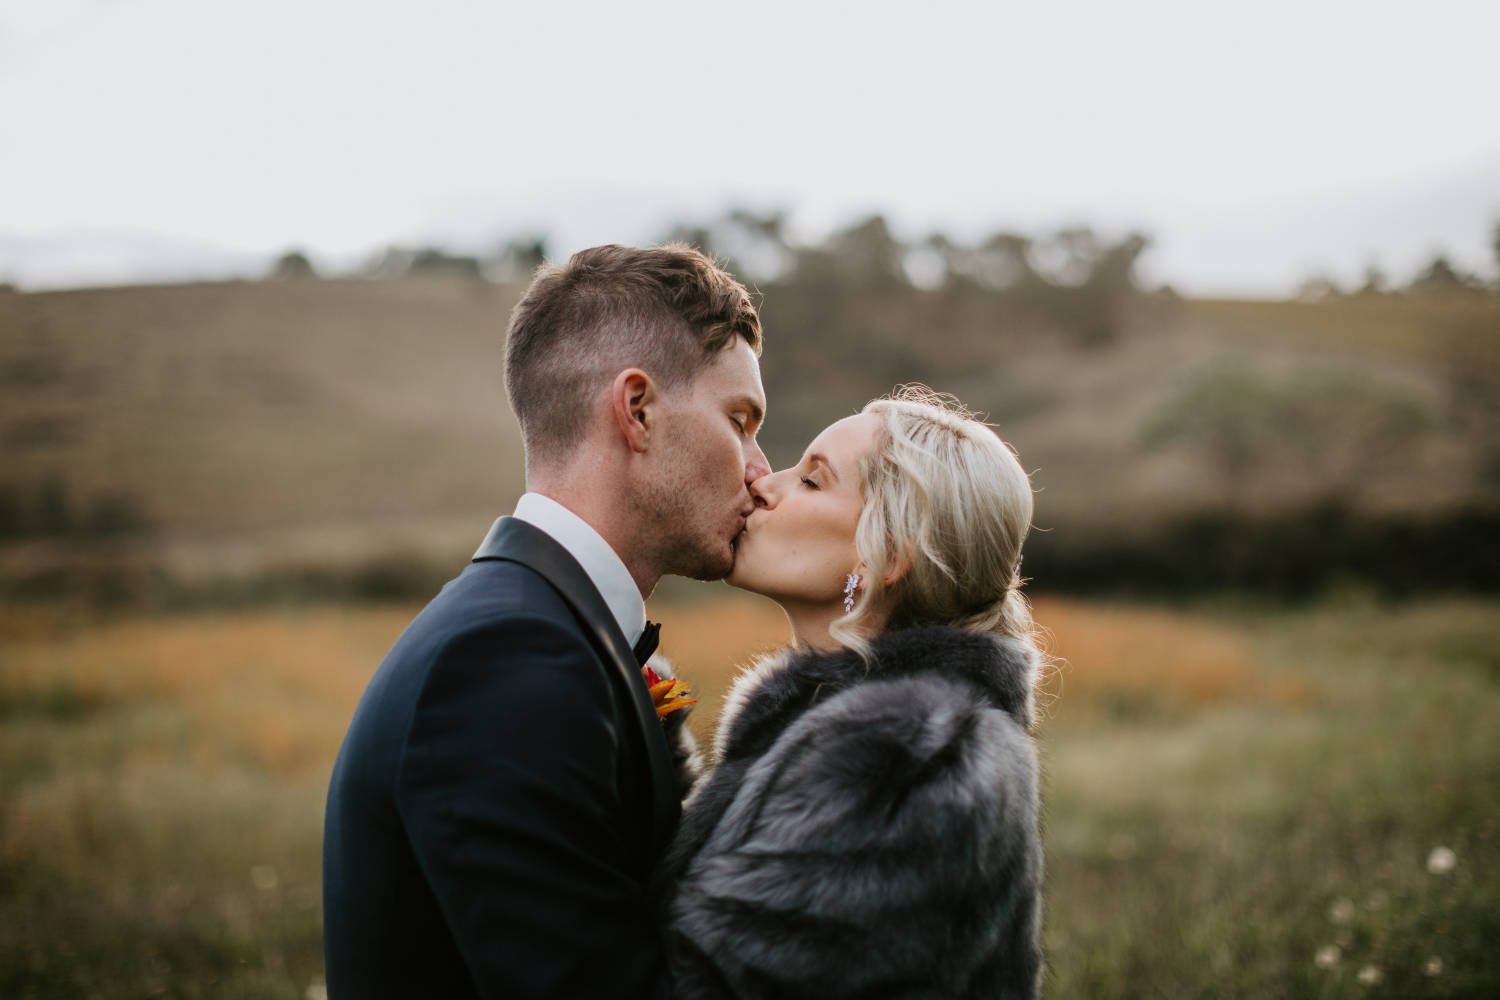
(1240,801)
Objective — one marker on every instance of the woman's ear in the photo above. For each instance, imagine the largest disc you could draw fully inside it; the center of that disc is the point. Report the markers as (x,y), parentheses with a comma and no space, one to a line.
(897,572)
(632,399)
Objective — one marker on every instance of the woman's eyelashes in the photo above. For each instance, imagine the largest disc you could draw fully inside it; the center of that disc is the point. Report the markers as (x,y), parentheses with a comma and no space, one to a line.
(806,481)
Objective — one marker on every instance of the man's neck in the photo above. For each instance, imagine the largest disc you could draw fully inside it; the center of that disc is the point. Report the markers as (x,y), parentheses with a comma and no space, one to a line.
(603,512)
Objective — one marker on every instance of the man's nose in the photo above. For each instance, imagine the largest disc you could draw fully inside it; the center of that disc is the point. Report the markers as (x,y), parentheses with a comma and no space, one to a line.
(756,464)
(760,490)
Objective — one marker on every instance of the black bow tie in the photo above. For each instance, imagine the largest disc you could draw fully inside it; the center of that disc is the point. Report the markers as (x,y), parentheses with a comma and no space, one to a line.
(646,644)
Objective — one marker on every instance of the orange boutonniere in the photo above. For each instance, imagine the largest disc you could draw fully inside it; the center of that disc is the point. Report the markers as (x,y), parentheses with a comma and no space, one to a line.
(668,695)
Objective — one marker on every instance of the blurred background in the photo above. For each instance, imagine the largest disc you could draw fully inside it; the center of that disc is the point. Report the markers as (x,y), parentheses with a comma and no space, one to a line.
(1228,280)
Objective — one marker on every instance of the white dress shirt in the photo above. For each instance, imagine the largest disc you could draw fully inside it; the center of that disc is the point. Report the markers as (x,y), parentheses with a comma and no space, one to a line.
(599,561)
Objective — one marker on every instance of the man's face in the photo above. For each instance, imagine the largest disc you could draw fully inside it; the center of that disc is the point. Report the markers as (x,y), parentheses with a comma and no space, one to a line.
(708,456)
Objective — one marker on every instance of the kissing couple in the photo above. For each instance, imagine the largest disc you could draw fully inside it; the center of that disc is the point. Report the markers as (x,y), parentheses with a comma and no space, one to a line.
(509,815)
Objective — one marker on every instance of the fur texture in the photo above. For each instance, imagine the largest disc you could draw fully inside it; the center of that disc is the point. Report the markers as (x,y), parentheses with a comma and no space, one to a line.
(868,831)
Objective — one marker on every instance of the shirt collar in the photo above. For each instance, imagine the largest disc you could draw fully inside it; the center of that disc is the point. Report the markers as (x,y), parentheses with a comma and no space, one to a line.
(603,566)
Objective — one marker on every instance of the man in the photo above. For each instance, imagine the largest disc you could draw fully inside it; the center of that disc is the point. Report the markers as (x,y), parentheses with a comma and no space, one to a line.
(505,788)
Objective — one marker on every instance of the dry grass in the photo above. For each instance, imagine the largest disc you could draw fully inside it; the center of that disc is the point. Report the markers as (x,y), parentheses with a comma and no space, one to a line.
(1120,659)
(273,691)
(1228,797)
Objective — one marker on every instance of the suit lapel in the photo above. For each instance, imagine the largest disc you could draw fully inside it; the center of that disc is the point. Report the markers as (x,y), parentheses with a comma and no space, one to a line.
(516,541)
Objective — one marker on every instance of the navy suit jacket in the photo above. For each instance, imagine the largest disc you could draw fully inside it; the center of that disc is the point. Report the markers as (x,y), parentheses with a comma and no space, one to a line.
(502,798)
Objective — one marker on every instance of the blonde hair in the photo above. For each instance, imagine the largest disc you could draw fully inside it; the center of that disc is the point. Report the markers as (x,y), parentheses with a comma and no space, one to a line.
(942,492)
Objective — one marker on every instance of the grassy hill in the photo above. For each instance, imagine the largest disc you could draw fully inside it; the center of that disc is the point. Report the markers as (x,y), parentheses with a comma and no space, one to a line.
(247,425)
(214,431)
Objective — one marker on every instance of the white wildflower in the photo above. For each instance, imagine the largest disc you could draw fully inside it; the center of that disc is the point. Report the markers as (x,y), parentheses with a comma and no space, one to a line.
(1327,956)
(1434,967)
(1369,975)
(1441,861)
(1342,911)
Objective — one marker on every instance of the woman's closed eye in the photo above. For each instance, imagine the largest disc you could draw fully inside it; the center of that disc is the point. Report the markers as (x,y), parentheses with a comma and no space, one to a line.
(809,483)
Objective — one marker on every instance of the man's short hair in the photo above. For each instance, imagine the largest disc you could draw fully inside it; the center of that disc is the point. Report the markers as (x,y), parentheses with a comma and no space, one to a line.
(667,310)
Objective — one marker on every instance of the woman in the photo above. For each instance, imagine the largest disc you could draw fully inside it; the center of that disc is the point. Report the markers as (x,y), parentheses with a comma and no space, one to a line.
(870,824)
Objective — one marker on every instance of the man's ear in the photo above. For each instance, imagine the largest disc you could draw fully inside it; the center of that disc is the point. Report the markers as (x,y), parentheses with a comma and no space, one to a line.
(632,400)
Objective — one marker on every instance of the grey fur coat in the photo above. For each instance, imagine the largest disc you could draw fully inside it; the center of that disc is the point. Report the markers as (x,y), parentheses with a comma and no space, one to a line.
(866,832)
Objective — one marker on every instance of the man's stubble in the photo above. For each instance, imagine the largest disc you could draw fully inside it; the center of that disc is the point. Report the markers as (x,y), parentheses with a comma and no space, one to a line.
(689,537)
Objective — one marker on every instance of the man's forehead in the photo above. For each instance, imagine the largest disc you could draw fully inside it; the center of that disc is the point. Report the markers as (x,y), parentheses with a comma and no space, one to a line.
(734,376)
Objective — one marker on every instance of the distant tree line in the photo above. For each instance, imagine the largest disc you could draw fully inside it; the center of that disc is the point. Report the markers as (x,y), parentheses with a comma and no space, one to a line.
(1069,265)
(49,509)
(1052,272)
(1438,275)
(512,260)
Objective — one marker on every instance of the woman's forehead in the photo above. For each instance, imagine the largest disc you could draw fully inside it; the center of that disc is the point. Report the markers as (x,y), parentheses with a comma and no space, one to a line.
(851,436)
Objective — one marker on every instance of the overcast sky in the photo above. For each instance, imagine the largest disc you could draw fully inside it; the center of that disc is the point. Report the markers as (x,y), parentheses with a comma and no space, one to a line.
(1257,142)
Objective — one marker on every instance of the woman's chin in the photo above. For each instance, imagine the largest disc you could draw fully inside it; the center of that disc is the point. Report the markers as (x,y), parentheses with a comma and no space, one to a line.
(742,576)
(737,578)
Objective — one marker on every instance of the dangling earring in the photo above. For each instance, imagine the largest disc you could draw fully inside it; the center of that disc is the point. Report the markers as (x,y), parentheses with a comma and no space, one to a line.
(850,583)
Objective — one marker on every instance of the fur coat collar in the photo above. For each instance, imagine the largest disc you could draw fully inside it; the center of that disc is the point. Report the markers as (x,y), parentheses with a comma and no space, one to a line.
(789,681)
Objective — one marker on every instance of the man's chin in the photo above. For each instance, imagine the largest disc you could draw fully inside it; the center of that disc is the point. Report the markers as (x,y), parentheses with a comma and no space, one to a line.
(712,568)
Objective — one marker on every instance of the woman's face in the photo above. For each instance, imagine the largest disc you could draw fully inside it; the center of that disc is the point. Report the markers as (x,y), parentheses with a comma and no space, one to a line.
(798,545)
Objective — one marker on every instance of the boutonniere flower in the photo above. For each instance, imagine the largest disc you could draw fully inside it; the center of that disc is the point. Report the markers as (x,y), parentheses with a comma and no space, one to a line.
(669,695)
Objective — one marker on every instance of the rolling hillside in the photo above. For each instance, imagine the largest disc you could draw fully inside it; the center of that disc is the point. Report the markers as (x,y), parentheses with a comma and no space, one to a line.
(228,430)
(248,424)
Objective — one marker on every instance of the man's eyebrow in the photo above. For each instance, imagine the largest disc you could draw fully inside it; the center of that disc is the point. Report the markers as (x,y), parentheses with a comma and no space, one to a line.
(757,412)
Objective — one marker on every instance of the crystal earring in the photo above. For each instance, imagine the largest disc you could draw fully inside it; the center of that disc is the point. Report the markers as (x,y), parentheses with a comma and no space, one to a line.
(850,583)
